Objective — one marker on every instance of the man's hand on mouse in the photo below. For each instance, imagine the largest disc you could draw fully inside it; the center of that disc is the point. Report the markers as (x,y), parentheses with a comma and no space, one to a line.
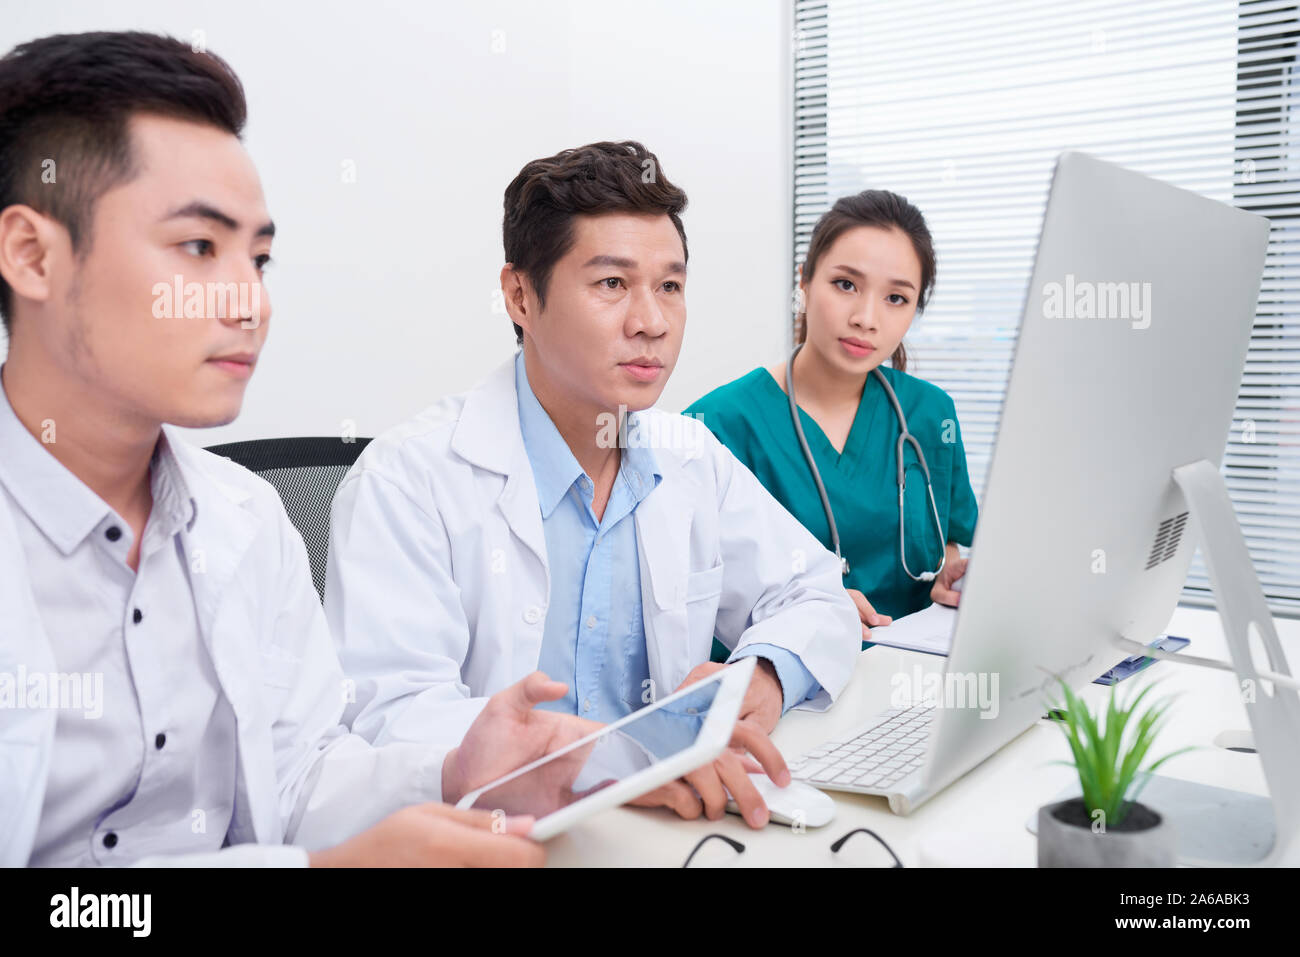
(706,789)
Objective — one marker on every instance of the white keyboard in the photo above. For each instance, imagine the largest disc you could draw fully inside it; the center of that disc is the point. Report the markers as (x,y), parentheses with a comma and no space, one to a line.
(876,759)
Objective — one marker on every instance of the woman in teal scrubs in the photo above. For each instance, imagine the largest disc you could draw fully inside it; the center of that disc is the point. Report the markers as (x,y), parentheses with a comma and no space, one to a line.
(870,269)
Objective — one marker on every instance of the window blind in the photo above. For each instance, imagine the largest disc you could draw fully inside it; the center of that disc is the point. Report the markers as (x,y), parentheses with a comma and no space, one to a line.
(962,106)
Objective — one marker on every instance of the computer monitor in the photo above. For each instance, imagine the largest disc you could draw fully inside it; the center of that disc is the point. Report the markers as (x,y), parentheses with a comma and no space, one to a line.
(1131,350)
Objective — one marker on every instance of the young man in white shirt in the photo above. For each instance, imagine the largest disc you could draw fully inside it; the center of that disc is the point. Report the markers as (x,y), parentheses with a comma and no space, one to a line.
(164,581)
(551,518)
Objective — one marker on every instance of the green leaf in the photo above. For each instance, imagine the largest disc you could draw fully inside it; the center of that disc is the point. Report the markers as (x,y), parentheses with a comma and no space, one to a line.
(1108,757)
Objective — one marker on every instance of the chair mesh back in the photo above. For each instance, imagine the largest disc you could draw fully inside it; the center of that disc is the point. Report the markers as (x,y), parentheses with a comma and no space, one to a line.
(306,472)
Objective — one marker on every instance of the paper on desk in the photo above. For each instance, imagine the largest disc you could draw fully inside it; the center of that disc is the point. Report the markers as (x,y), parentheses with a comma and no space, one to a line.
(928,630)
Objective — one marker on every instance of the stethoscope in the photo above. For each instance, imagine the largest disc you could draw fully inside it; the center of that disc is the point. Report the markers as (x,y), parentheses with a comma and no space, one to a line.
(903,436)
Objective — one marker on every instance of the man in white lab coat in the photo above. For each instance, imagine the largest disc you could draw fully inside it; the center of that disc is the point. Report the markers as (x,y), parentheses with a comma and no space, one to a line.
(169,691)
(551,518)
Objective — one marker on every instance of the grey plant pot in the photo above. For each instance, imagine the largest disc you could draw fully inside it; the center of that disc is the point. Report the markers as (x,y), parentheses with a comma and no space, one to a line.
(1065,844)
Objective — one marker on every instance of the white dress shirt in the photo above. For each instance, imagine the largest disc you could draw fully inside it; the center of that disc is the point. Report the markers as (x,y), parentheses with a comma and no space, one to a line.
(146,765)
(212,695)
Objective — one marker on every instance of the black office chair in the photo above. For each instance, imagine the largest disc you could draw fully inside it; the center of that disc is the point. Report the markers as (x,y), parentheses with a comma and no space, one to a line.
(306,472)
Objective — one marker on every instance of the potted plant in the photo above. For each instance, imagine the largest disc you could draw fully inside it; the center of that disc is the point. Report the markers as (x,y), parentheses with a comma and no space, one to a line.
(1107,827)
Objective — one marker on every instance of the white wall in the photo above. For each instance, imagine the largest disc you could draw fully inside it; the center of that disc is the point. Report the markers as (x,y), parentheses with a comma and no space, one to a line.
(382,288)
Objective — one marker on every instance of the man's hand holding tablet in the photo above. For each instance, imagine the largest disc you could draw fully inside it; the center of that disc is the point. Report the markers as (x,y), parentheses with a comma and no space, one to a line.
(510,732)
(701,791)
(653,756)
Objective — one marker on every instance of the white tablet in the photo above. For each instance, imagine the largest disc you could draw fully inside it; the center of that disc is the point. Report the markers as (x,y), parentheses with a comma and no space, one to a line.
(624,760)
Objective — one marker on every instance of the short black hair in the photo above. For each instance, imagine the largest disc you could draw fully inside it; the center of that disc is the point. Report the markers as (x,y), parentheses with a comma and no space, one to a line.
(542,200)
(68,99)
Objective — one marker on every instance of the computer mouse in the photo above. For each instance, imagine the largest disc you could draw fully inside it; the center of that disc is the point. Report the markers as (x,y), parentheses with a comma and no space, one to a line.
(798,802)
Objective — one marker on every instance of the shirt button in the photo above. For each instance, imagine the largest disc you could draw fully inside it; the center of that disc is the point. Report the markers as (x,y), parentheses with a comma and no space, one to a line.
(586,704)
(159,740)
(137,616)
(532,614)
(110,840)
(591,621)
(113,534)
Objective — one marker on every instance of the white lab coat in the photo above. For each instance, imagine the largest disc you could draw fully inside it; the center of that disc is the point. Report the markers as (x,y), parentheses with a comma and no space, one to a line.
(269,644)
(438,575)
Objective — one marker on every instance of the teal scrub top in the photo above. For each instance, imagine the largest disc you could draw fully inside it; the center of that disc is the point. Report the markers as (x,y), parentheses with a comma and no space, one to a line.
(751,416)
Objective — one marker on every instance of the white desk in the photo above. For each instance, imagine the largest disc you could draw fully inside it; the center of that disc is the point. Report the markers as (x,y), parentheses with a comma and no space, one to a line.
(988,808)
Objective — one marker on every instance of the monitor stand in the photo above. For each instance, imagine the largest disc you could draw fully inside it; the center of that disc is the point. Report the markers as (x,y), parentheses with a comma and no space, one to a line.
(1218,825)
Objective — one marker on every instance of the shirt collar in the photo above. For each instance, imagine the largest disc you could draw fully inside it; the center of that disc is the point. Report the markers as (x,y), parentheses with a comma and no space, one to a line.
(174,504)
(60,504)
(639,466)
(554,467)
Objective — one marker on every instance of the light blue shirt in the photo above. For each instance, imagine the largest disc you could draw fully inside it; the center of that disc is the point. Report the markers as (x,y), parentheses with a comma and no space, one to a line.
(594,636)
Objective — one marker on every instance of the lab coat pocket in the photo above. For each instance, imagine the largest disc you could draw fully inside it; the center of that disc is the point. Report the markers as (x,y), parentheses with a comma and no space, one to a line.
(703,593)
(705,584)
